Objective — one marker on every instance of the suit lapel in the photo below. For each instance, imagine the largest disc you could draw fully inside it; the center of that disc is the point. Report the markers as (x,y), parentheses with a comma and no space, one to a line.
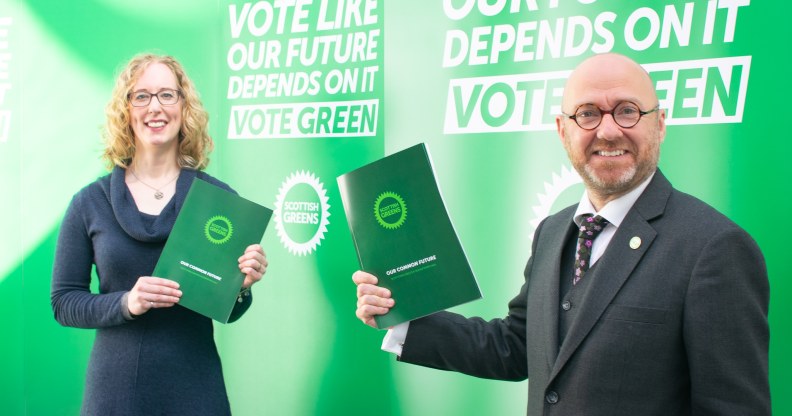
(615,266)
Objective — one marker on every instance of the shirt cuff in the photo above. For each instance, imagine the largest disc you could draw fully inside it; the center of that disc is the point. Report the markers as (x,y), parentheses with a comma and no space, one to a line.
(394,339)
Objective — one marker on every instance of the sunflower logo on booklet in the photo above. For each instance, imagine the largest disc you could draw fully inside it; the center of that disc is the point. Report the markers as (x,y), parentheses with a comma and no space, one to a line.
(301,213)
(390,210)
(218,229)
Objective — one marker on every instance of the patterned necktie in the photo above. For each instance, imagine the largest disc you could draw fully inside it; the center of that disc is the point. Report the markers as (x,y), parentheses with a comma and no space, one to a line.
(589,229)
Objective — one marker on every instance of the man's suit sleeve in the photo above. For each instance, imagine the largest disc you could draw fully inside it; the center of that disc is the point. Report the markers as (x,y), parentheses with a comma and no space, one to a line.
(448,341)
(726,329)
(494,349)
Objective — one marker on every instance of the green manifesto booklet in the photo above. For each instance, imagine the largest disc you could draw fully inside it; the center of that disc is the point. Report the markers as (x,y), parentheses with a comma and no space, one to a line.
(212,230)
(404,236)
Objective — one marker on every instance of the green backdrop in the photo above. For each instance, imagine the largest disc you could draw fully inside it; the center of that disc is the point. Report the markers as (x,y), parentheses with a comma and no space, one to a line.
(301,94)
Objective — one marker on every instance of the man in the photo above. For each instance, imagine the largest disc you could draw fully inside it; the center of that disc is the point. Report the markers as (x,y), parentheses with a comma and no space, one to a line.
(669,319)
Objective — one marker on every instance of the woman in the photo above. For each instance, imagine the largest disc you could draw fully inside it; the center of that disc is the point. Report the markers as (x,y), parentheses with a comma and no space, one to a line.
(150,355)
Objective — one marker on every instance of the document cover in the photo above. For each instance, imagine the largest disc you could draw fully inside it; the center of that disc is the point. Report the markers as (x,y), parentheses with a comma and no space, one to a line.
(404,236)
(212,230)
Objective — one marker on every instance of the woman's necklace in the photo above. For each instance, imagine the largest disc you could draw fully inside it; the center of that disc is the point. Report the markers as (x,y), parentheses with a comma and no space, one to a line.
(157,191)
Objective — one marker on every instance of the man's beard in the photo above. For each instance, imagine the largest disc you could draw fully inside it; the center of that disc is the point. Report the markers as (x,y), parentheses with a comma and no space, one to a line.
(621,185)
(625,182)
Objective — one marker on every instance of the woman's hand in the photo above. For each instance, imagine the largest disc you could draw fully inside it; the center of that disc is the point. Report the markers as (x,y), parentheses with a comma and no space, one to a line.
(253,264)
(152,292)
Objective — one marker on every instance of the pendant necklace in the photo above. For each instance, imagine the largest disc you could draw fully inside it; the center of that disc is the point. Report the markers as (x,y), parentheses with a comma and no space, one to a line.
(157,192)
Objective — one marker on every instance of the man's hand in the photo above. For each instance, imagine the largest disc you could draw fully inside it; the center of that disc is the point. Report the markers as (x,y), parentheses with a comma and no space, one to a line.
(372,299)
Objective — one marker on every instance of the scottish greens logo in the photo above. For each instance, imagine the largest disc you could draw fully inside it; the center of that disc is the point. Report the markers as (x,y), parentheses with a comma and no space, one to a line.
(301,213)
(218,229)
(390,210)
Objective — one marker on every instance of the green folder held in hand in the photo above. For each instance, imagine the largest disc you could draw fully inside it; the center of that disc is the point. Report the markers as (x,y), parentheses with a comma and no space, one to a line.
(212,230)
(404,236)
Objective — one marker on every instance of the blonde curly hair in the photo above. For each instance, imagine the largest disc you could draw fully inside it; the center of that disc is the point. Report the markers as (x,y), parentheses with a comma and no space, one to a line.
(195,144)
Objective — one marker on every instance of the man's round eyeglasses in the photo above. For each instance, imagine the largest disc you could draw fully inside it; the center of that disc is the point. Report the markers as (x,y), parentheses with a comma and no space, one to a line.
(143,98)
(626,114)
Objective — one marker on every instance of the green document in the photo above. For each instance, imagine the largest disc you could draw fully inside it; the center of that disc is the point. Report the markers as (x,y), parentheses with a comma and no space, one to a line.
(211,232)
(403,235)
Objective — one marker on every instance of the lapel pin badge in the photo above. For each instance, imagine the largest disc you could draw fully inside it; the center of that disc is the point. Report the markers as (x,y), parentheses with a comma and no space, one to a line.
(635,242)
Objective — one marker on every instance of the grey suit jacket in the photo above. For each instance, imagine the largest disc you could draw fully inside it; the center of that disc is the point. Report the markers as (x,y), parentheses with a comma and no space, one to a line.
(676,326)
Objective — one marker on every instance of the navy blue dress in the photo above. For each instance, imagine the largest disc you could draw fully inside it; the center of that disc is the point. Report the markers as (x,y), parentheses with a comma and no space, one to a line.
(165,362)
